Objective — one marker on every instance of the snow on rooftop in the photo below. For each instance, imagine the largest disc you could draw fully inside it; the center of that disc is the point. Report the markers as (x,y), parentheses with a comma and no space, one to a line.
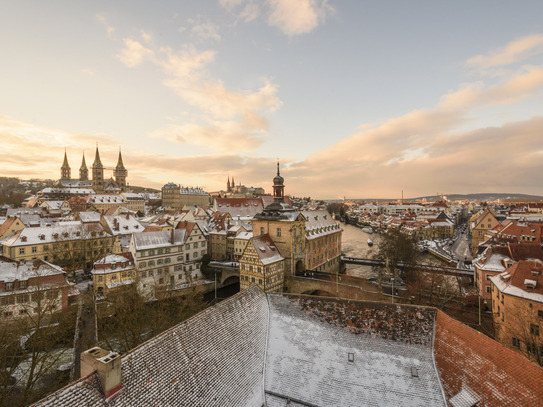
(307,360)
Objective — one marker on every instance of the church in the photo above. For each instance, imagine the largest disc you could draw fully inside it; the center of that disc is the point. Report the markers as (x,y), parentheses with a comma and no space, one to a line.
(115,184)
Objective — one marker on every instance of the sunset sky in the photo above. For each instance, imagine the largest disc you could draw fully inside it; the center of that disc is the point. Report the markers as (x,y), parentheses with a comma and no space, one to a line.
(356,98)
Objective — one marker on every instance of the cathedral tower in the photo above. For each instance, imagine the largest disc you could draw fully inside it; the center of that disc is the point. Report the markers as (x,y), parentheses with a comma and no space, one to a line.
(120,172)
(65,171)
(83,171)
(97,172)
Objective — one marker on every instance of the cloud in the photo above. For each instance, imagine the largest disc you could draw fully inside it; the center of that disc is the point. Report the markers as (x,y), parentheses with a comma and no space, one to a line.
(513,52)
(423,151)
(297,17)
(109,29)
(521,85)
(228,119)
(147,37)
(290,17)
(204,29)
(134,53)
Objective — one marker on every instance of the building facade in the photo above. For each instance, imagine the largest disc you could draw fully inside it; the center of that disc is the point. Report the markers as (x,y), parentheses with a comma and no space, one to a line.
(517,309)
(177,197)
(263,265)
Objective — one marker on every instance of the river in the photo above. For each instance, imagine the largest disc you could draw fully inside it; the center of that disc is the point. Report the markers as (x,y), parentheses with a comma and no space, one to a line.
(355,244)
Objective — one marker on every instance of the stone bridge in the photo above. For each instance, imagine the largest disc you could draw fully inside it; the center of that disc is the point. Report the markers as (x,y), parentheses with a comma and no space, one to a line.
(229,273)
(339,286)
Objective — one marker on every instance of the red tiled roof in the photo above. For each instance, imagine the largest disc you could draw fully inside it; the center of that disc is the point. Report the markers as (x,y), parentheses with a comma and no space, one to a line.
(465,357)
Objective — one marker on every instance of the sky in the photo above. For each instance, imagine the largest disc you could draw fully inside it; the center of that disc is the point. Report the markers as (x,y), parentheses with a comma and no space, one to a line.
(357,99)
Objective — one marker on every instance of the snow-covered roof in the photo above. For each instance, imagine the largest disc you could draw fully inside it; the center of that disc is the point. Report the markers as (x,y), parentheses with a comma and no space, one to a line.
(89,216)
(152,240)
(295,352)
(123,224)
(11,271)
(319,223)
(266,249)
(113,199)
(63,231)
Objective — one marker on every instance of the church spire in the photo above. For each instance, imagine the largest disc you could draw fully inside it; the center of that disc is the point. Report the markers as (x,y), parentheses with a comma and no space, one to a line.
(97,162)
(83,170)
(120,172)
(65,171)
(120,164)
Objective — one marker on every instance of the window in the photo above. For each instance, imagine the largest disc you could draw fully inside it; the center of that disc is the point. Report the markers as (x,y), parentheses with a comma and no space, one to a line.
(9,286)
(531,348)
(515,342)
(279,232)
(113,266)
(534,329)
(203,244)
(260,281)
(21,250)
(100,278)
(259,270)
(35,249)
(488,290)
(540,313)
(250,268)
(261,232)
(252,279)
(143,264)
(488,277)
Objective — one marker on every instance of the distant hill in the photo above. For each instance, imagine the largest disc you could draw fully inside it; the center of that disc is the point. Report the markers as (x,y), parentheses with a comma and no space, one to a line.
(484,196)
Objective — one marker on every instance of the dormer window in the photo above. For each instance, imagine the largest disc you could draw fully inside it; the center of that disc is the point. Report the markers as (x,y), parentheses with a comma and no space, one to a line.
(530,284)
(23,238)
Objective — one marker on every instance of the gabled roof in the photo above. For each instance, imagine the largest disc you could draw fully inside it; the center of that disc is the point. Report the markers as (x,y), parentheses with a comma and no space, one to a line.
(266,249)
(500,377)
(152,240)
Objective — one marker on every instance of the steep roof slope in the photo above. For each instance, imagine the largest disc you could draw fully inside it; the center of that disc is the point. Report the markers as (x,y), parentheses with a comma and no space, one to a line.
(467,358)
(213,359)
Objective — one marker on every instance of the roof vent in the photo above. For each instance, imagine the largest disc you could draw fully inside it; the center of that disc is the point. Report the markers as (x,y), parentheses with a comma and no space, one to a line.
(350,357)
(414,372)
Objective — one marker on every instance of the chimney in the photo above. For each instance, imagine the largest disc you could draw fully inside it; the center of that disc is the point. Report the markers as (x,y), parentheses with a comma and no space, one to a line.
(107,365)
(172,239)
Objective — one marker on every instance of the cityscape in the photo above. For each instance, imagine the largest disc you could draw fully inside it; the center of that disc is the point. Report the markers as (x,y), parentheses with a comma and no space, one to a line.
(271,203)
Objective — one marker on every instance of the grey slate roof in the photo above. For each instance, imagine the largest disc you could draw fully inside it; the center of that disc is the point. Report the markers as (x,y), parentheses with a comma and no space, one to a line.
(213,359)
(255,348)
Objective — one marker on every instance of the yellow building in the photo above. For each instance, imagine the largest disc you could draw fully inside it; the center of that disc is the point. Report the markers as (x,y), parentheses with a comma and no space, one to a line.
(262,264)
(102,203)
(323,241)
(517,309)
(479,224)
(112,273)
(134,202)
(176,197)
(307,240)
(72,245)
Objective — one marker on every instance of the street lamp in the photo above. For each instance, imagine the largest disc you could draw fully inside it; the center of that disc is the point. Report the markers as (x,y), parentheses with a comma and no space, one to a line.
(392,292)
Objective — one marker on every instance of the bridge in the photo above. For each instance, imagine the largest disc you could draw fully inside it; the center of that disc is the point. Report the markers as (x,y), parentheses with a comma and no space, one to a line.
(334,285)
(451,271)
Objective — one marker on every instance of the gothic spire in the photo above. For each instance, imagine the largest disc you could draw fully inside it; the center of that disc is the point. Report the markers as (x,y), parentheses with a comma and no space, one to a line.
(83,163)
(120,164)
(97,162)
(65,163)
